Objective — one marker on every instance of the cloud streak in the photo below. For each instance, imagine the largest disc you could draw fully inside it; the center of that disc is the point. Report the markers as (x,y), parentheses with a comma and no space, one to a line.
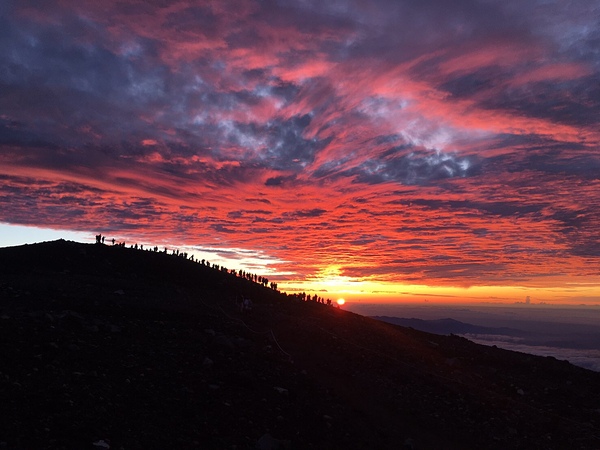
(405,142)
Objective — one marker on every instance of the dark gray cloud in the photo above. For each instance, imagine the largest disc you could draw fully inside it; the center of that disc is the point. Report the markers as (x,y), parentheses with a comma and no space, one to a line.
(545,156)
(279,180)
(259,200)
(474,83)
(194,20)
(279,144)
(505,209)
(406,165)
(573,102)
(68,78)
(221,228)
(416,167)
(306,213)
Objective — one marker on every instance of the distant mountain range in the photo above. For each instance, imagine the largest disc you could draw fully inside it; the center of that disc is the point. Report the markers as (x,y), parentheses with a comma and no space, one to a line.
(450,326)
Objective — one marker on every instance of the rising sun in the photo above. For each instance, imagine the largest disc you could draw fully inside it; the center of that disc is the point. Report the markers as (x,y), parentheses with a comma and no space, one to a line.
(341,301)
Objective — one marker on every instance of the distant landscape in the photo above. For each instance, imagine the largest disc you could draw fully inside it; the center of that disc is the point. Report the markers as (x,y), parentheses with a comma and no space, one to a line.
(569,333)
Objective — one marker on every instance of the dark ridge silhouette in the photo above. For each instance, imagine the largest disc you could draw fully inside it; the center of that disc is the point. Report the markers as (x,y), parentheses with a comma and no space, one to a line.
(110,347)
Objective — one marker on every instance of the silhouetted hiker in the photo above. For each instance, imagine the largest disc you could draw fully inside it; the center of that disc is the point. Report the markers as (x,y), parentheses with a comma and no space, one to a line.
(98,237)
(113,241)
(103,239)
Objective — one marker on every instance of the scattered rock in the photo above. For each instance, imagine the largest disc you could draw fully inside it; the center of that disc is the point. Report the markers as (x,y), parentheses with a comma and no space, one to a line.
(268,442)
(224,343)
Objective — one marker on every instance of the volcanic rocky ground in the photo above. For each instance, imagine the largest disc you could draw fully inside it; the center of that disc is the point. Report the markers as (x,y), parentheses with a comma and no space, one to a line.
(111,347)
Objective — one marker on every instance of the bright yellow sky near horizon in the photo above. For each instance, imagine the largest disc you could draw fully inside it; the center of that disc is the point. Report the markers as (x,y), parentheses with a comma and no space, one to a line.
(371,292)
(330,284)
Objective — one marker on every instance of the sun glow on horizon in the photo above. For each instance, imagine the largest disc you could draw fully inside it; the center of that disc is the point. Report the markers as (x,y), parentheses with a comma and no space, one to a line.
(379,292)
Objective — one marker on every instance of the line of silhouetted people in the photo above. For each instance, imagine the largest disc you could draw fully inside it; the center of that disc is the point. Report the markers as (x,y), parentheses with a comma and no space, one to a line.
(245,304)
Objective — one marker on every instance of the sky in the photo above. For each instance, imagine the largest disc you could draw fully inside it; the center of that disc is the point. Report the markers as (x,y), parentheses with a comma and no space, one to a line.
(387,149)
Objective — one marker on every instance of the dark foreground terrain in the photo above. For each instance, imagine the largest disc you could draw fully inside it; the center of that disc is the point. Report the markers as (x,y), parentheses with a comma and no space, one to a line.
(110,347)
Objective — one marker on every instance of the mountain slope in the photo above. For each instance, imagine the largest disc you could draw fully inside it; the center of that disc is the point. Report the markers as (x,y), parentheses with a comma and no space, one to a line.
(134,349)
